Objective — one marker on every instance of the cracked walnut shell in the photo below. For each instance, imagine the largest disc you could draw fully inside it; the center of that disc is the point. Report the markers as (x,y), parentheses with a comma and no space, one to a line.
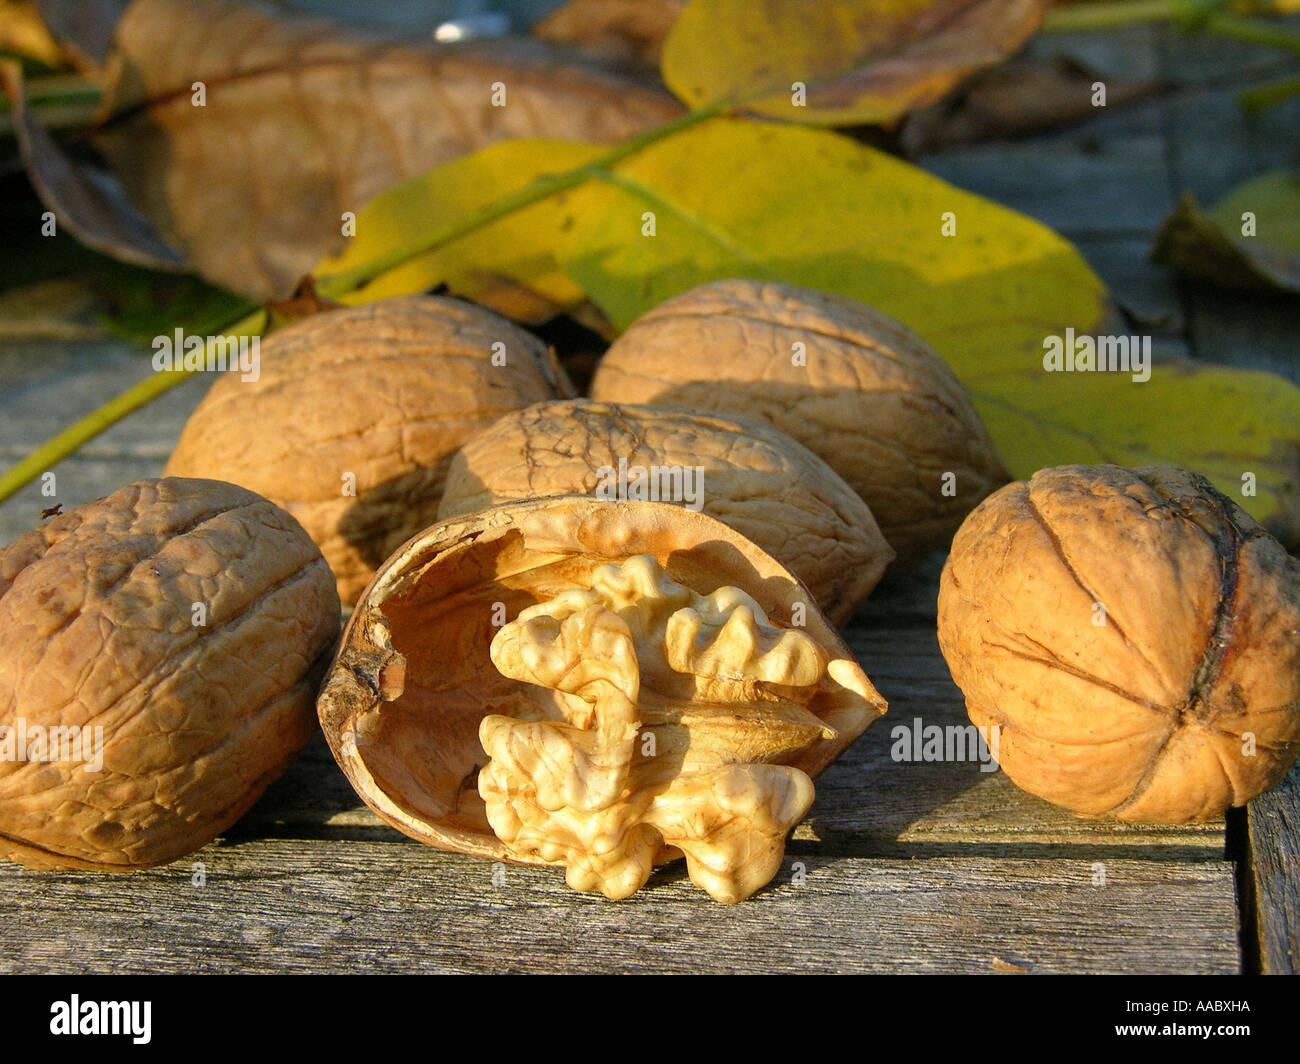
(160,651)
(1133,635)
(772,490)
(599,685)
(355,416)
(857,388)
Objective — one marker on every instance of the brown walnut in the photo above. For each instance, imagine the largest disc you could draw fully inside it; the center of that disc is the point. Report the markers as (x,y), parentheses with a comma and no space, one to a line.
(855,387)
(1133,636)
(356,414)
(772,490)
(599,685)
(160,651)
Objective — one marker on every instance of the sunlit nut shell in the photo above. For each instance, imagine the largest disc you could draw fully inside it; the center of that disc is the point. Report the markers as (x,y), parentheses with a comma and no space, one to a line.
(356,414)
(769,488)
(415,684)
(1133,635)
(166,644)
(852,385)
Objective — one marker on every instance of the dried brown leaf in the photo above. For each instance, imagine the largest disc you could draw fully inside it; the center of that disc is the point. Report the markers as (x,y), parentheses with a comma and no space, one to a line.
(848,63)
(1026,95)
(303,121)
(617,31)
(86,200)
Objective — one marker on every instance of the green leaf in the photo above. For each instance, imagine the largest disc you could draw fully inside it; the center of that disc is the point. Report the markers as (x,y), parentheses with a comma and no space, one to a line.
(1249,241)
(860,61)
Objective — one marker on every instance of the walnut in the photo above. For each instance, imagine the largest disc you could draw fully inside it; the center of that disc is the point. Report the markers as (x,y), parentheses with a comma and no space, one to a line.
(160,651)
(852,385)
(356,414)
(1133,635)
(772,490)
(603,685)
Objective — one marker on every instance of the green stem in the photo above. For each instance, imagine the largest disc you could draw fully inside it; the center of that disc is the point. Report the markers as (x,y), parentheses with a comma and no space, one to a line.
(1244,29)
(57,90)
(1262,97)
(90,426)
(60,101)
(1108,16)
(333,285)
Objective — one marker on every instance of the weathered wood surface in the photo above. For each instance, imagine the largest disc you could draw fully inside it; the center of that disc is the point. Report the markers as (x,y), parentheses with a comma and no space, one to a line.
(910,867)
(1274,820)
(291,905)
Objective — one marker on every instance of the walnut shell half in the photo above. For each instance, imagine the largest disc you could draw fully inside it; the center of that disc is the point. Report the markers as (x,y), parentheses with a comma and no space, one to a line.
(1133,635)
(772,490)
(356,413)
(160,651)
(855,387)
(649,681)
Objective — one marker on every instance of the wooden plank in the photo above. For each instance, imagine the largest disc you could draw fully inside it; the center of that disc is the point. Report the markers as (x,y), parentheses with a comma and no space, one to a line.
(1083,180)
(46,385)
(1239,330)
(287,905)
(1209,59)
(1212,149)
(1129,52)
(1146,291)
(1274,850)
(78,480)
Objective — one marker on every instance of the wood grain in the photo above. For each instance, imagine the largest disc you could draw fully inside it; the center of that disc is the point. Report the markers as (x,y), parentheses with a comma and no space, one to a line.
(290,905)
(1274,825)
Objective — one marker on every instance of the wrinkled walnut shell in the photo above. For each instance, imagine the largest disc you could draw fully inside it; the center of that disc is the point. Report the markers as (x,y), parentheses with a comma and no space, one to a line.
(863,392)
(769,488)
(415,679)
(190,620)
(386,392)
(1133,635)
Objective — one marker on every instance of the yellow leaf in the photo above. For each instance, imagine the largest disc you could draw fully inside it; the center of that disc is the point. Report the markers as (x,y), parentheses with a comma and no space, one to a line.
(23,33)
(732,197)
(502,265)
(858,61)
(737,198)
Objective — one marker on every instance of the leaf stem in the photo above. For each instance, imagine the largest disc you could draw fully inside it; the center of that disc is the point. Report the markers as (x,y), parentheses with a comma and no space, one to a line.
(1245,29)
(1108,16)
(1262,97)
(55,450)
(337,284)
(333,285)
(1203,16)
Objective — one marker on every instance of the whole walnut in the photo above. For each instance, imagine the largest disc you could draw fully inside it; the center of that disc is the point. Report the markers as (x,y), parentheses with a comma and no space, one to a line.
(855,387)
(1134,637)
(356,414)
(599,685)
(160,651)
(772,490)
